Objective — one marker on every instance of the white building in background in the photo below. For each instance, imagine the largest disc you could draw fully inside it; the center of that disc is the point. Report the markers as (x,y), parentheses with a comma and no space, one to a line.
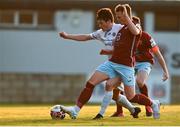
(27,49)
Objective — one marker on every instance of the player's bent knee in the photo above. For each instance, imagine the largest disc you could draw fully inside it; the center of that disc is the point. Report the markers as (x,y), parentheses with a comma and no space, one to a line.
(130,96)
(108,87)
(140,83)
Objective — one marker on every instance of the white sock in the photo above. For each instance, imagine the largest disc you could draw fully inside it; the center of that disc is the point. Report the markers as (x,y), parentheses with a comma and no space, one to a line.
(106,101)
(77,109)
(125,103)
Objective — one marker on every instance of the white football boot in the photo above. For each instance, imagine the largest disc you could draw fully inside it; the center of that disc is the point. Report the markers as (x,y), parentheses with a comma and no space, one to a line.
(70,111)
(156,109)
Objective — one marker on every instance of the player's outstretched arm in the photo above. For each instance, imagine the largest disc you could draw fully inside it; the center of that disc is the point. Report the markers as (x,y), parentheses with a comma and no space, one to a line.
(163,65)
(76,37)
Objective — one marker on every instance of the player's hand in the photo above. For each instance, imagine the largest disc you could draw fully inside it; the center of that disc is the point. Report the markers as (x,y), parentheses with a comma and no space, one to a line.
(63,35)
(165,76)
(101,52)
(125,14)
(105,52)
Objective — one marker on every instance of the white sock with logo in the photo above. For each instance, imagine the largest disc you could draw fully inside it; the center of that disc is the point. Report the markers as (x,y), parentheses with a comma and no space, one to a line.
(125,103)
(106,101)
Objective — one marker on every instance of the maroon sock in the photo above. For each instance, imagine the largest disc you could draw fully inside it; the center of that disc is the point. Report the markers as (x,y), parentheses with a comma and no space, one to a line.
(85,95)
(144,90)
(116,92)
(141,99)
(119,108)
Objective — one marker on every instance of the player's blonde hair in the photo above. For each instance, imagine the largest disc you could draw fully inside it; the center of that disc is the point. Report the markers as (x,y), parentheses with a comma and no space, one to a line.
(119,7)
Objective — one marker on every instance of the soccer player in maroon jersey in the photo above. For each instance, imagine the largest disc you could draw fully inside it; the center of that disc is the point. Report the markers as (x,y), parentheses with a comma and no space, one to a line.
(125,59)
(145,59)
(145,53)
(106,34)
(120,65)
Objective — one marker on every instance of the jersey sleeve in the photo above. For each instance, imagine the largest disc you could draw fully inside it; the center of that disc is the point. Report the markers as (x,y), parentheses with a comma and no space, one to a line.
(95,35)
(152,44)
(154,49)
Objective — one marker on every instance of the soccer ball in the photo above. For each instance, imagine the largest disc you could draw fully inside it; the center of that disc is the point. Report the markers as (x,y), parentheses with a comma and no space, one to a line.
(56,113)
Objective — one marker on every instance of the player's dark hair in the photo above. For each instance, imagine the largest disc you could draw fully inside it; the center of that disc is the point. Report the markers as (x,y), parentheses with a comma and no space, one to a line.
(136,19)
(105,14)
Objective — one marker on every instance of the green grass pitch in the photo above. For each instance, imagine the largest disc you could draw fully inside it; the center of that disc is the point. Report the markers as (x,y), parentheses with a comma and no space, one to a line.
(38,115)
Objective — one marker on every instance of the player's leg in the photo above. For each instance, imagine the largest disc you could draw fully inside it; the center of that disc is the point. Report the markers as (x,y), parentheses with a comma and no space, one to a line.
(107,97)
(142,100)
(122,100)
(143,70)
(141,78)
(119,109)
(128,78)
(85,94)
(102,73)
